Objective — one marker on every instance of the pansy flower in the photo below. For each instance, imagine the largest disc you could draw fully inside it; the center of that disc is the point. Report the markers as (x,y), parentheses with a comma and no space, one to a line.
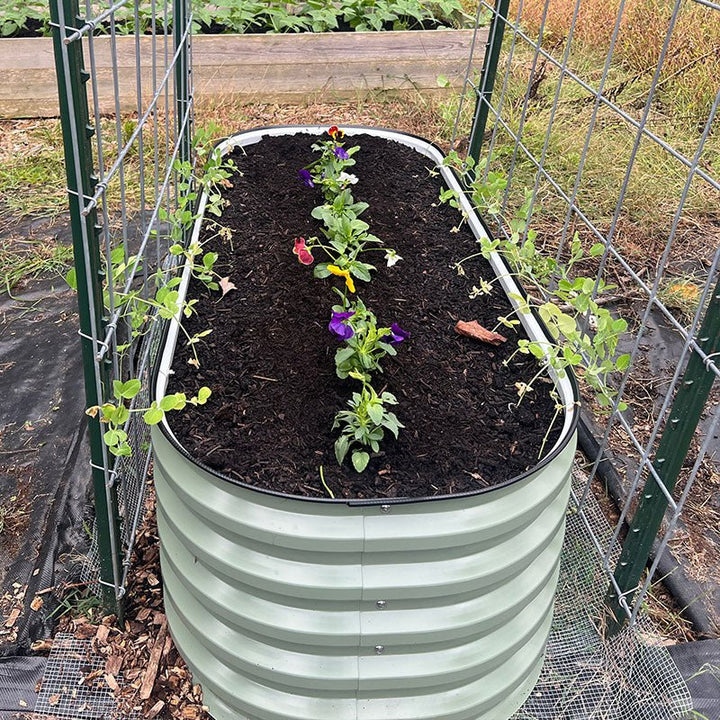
(349,282)
(396,335)
(303,253)
(340,153)
(392,257)
(306,177)
(338,324)
(335,132)
(347,178)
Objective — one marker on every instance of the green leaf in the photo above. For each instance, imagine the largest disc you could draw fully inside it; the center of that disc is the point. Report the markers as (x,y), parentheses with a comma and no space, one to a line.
(71,278)
(343,354)
(111,437)
(169,402)
(127,390)
(209,259)
(623,362)
(321,271)
(360,460)
(122,449)
(376,413)
(342,445)
(119,415)
(153,416)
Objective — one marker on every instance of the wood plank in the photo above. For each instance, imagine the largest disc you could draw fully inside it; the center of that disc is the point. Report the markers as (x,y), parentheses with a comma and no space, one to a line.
(267,68)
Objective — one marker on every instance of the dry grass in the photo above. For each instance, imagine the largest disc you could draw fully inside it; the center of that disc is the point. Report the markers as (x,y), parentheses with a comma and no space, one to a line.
(688,82)
(413,114)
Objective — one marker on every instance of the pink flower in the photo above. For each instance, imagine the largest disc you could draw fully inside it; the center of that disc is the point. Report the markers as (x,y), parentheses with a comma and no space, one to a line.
(304,255)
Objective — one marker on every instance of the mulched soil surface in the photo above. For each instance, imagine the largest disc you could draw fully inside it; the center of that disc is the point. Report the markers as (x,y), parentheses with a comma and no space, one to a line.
(269,360)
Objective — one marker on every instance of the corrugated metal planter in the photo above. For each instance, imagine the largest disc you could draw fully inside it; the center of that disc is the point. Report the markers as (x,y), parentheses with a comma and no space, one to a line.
(288,608)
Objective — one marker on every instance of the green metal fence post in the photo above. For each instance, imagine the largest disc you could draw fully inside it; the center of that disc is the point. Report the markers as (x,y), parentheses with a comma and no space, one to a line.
(182,78)
(487,77)
(673,448)
(77,131)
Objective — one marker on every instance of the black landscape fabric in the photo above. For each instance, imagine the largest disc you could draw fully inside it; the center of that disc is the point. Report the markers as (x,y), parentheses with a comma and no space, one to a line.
(44,461)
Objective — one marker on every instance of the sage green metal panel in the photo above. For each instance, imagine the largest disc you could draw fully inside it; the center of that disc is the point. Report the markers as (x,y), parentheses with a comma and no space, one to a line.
(292,609)
(279,632)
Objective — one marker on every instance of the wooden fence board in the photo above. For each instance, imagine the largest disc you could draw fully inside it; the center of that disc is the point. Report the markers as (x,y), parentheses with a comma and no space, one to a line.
(267,68)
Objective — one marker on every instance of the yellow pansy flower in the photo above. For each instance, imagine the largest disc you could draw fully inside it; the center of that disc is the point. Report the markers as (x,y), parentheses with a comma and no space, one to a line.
(335,270)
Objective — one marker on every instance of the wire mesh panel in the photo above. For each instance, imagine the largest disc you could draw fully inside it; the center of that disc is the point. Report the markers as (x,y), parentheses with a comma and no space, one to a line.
(73,687)
(600,123)
(123,186)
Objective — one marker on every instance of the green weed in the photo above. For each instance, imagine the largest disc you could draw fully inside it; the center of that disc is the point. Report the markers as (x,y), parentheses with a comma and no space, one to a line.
(78,600)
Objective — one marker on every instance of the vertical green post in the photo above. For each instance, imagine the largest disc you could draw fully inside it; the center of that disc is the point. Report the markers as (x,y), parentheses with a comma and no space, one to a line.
(182,78)
(674,444)
(487,77)
(77,132)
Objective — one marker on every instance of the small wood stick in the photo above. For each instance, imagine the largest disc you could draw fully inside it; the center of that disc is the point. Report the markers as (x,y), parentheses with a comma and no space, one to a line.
(153,663)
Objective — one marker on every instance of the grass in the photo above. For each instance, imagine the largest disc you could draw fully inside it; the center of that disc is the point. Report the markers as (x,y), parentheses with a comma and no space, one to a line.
(23,260)
(678,112)
(688,79)
(79,601)
(32,169)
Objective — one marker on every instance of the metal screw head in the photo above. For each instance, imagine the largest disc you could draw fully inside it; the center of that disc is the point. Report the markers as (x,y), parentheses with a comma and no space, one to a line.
(385,508)
(379,649)
(381,604)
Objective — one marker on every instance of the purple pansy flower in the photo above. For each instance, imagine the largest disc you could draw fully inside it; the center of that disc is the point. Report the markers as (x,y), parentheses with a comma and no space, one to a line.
(338,325)
(340,153)
(397,335)
(306,177)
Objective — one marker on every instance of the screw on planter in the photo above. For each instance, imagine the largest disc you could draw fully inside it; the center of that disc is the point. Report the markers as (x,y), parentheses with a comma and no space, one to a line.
(385,508)
(381,604)
(379,649)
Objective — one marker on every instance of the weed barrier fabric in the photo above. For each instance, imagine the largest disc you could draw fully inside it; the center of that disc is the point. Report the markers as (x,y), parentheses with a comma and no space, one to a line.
(19,677)
(699,663)
(44,458)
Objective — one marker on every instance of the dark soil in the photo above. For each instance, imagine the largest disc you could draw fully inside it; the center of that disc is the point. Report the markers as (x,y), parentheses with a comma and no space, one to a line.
(269,360)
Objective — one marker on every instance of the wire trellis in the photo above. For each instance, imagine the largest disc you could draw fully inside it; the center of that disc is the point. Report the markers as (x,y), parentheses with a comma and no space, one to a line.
(126,184)
(525,139)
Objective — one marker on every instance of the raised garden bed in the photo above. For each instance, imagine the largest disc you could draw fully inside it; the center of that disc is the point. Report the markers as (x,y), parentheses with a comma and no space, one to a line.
(269,361)
(257,68)
(424,586)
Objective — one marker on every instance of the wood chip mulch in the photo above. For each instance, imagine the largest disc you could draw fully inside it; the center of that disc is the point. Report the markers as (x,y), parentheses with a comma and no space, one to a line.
(154,680)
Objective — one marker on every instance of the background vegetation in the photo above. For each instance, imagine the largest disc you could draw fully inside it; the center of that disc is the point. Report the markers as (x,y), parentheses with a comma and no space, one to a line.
(260,16)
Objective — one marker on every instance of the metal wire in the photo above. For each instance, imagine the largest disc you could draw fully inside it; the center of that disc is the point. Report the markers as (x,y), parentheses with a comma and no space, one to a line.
(584,676)
(73,686)
(134,162)
(532,150)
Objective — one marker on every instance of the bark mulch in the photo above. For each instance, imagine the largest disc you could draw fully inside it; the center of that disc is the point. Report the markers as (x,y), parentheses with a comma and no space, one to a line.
(142,668)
